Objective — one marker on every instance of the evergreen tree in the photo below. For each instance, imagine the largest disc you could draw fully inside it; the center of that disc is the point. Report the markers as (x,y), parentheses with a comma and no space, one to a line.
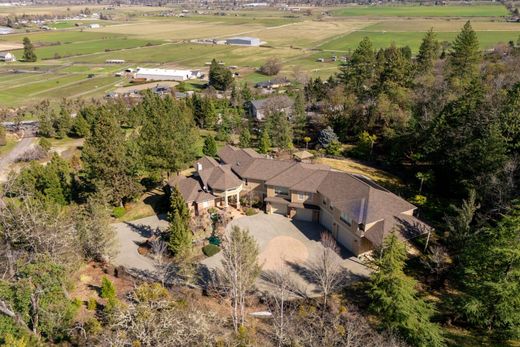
(299,118)
(358,72)
(395,299)
(180,236)
(245,137)
(489,272)
(210,146)
(265,141)
(209,114)
(510,118)
(465,145)
(247,94)
(428,52)
(220,77)
(105,160)
(280,131)
(80,127)
(168,139)
(465,55)
(28,51)
(326,137)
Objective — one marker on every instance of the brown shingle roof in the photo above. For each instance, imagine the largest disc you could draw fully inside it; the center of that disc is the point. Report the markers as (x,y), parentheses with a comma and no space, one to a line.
(207,162)
(406,227)
(294,175)
(191,189)
(219,178)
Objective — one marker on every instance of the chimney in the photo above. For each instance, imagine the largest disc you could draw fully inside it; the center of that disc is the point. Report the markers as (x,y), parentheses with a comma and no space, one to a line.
(199,167)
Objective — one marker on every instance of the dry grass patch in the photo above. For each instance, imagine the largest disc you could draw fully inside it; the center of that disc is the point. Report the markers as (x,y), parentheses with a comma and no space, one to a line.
(309,33)
(175,30)
(356,167)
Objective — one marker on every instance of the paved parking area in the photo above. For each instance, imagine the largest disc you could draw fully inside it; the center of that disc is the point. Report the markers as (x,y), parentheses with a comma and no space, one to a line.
(293,245)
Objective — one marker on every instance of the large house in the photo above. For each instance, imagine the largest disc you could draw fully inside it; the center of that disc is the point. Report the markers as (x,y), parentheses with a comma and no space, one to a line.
(358,212)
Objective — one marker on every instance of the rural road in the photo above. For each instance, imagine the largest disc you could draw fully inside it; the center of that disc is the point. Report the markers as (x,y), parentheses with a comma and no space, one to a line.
(9,158)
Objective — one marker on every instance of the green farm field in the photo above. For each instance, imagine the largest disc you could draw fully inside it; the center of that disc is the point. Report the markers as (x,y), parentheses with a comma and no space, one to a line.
(140,36)
(424,11)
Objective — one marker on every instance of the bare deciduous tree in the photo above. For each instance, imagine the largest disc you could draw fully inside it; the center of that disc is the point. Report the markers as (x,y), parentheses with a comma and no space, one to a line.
(240,270)
(326,270)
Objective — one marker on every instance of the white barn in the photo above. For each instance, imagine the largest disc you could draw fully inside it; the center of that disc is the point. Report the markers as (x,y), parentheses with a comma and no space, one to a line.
(7,57)
(244,41)
(165,74)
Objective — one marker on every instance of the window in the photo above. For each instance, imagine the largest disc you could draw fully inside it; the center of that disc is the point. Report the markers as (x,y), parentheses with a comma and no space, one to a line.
(302,196)
(345,218)
(281,191)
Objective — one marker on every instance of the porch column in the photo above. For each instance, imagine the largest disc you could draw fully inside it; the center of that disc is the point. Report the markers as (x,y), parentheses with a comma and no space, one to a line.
(225,200)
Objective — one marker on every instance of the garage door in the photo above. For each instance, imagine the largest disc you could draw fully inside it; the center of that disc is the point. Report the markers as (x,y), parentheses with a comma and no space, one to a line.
(303,214)
(326,219)
(279,209)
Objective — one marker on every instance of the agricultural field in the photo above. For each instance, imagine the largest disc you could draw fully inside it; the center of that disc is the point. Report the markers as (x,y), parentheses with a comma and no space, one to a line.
(71,59)
(424,11)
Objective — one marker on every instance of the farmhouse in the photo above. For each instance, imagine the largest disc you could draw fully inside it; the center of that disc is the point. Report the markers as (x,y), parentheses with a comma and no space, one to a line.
(165,74)
(244,41)
(7,57)
(358,212)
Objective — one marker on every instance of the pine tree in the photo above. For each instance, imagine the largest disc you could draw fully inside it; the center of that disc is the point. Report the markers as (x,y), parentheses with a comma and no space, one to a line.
(265,142)
(395,299)
(220,77)
(465,56)
(106,165)
(428,52)
(180,235)
(28,50)
(168,139)
(210,146)
(299,118)
(280,131)
(245,137)
(358,72)
(209,113)
(489,272)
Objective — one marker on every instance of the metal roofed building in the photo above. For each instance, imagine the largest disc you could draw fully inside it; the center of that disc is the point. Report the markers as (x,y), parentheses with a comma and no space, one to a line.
(244,41)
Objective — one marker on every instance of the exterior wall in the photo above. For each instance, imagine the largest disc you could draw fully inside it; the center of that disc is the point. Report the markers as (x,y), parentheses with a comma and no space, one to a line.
(310,198)
(152,77)
(257,187)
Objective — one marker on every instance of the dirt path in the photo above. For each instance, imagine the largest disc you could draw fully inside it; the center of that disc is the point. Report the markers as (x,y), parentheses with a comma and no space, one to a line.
(8,159)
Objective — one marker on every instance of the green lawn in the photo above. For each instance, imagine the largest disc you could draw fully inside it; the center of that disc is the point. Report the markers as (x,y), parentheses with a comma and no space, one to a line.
(349,42)
(424,11)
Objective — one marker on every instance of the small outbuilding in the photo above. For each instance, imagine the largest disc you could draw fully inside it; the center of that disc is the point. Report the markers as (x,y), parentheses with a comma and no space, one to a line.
(244,41)
(7,57)
(303,156)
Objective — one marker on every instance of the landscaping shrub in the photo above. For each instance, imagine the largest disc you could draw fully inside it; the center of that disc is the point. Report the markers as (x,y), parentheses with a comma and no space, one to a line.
(45,144)
(91,304)
(210,250)
(118,212)
(250,212)
(214,240)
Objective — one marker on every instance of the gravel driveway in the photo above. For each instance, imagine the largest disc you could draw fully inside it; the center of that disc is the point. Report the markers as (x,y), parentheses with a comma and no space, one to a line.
(293,245)
(129,236)
(6,160)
